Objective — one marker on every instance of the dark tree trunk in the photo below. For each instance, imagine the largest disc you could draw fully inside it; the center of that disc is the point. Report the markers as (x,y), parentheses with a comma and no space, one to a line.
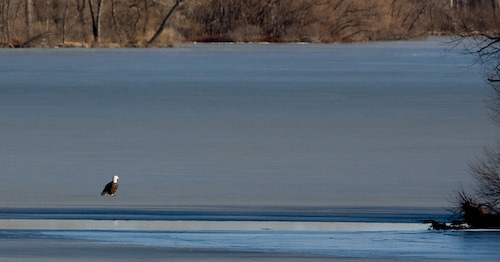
(95,18)
(164,22)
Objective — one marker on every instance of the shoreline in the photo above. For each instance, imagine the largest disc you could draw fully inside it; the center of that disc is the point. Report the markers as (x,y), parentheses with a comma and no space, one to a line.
(85,45)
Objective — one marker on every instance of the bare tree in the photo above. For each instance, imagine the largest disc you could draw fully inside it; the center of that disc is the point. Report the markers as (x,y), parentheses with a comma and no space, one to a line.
(10,13)
(164,22)
(5,21)
(486,172)
(482,207)
(485,47)
(29,18)
(146,18)
(95,13)
(64,19)
(488,51)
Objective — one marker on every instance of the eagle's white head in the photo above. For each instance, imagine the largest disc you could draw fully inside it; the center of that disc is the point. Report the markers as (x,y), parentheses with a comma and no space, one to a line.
(115,179)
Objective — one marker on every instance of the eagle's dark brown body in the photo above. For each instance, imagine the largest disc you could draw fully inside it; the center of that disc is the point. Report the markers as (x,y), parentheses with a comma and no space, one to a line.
(110,189)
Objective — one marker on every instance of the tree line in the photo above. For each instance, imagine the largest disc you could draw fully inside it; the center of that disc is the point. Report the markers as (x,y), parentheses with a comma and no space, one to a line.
(140,23)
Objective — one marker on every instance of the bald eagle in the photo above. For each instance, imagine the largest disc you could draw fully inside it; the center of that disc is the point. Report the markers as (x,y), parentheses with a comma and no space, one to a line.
(111,187)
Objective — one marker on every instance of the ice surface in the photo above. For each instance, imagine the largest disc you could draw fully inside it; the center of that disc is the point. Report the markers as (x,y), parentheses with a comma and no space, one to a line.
(373,244)
(392,124)
(141,225)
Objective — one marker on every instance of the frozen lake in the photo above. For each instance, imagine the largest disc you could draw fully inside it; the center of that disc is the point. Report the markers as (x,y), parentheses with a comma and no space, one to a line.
(239,152)
(375,124)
